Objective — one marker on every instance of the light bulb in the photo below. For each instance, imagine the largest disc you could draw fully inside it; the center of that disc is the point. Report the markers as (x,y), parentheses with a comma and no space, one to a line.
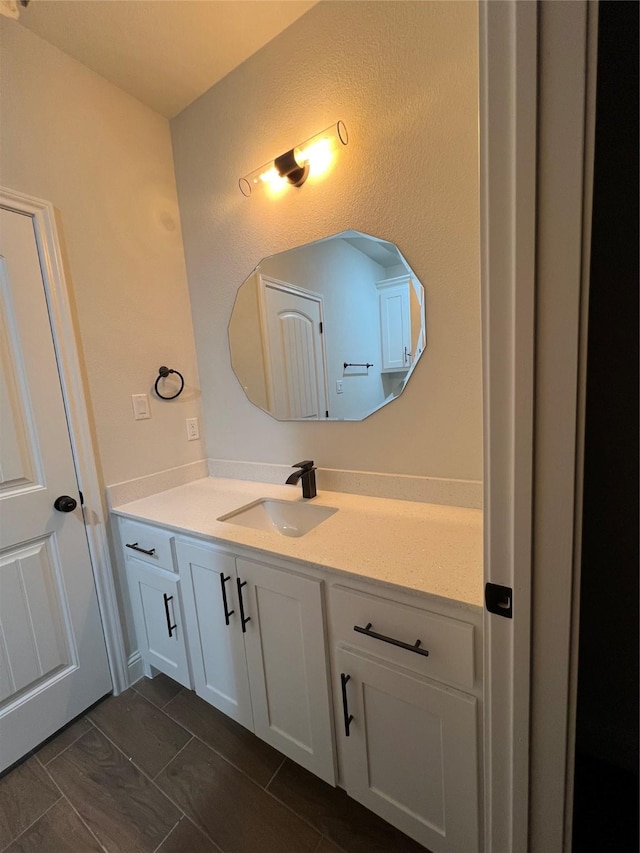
(319,155)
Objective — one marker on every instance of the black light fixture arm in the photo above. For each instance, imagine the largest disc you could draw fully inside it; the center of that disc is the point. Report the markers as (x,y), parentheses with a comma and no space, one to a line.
(288,167)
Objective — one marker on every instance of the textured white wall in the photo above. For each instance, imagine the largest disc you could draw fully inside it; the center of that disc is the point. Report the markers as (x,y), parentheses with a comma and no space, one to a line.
(403,77)
(105,162)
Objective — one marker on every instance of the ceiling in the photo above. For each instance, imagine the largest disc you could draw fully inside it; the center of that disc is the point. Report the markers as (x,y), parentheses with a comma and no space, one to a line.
(383,253)
(166,53)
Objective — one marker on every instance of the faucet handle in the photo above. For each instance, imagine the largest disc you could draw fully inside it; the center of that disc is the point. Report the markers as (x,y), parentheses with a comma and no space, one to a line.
(307,465)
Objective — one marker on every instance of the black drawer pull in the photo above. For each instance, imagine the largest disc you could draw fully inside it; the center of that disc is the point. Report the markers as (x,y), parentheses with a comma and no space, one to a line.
(136,547)
(345,703)
(410,648)
(170,628)
(243,619)
(225,604)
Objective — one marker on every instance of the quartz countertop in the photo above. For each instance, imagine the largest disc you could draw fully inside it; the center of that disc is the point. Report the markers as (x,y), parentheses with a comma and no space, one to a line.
(429,548)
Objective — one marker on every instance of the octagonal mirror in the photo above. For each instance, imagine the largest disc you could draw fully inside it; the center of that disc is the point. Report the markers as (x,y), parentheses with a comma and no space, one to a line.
(331,330)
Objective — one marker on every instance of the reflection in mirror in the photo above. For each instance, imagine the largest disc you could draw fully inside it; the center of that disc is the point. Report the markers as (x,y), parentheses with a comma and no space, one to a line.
(328,331)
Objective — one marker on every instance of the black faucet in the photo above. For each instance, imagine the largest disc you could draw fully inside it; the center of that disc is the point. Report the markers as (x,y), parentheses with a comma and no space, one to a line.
(307,474)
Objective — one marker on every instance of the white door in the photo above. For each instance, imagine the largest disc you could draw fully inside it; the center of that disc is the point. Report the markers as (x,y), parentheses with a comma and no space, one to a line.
(216,643)
(295,360)
(411,753)
(286,657)
(53,661)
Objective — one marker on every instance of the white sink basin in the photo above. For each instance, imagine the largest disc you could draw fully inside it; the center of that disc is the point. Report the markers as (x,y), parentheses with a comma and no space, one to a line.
(288,518)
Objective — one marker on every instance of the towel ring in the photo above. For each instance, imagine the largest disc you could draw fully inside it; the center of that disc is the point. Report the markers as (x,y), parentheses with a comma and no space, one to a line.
(163,372)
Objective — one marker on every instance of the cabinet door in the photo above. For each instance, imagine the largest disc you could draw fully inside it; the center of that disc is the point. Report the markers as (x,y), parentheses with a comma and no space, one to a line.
(286,656)
(395,328)
(155,601)
(411,752)
(215,636)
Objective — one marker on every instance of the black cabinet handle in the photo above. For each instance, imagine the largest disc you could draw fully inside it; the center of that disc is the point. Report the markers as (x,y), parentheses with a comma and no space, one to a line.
(225,605)
(345,703)
(135,547)
(410,648)
(243,619)
(170,628)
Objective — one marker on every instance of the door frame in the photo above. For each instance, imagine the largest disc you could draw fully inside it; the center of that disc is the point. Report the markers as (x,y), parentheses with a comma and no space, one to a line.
(508,96)
(536,154)
(43,216)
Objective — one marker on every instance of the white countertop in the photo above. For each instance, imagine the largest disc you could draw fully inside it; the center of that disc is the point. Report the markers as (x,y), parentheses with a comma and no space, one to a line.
(430,548)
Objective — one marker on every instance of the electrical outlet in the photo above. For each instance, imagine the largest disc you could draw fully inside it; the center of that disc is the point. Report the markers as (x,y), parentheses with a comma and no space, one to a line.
(192,429)
(339,389)
(140,404)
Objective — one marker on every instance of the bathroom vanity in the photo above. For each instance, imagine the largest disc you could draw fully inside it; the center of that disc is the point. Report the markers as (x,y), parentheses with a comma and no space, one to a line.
(354,648)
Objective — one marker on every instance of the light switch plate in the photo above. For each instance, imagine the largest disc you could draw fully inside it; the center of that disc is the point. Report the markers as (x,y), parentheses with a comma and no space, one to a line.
(339,389)
(140,404)
(193,432)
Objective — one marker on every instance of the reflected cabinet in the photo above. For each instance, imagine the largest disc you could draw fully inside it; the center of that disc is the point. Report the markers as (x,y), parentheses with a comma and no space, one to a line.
(401,329)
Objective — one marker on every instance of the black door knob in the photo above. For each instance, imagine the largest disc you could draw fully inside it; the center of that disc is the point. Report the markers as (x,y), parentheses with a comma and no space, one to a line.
(65,503)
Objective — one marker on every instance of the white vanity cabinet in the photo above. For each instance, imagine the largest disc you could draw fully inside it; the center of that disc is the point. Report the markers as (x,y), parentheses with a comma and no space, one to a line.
(258,650)
(408,743)
(401,323)
(154,589)
(322,667)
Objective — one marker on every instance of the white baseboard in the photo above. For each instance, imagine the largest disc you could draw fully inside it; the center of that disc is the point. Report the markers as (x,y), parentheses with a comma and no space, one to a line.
(134,668)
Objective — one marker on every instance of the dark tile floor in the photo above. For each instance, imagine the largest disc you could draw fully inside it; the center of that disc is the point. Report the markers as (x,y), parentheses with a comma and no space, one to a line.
(158,769)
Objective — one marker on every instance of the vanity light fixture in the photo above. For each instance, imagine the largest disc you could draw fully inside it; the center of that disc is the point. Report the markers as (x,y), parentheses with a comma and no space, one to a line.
(311,158)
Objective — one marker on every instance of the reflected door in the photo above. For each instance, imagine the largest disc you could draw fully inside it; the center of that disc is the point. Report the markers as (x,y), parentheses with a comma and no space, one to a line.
(295,357)
(53,661)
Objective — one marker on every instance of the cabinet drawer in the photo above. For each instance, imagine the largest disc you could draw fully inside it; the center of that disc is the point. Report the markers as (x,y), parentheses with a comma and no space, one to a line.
(450,642)
(146,543)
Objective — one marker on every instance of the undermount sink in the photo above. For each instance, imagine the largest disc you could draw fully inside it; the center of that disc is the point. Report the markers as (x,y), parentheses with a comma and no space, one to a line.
(288,518)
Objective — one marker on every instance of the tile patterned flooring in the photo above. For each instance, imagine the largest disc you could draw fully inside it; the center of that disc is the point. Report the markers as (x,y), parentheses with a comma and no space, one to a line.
(157,770)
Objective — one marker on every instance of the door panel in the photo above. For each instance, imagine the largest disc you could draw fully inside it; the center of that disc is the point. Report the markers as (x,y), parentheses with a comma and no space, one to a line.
(155,601)
(393,780)
(217,649)
(395,327)
(17,464)
(296,334)
(297,386)
(53,662)
(411,754)
(286,658)
(35,637)
(284,665)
